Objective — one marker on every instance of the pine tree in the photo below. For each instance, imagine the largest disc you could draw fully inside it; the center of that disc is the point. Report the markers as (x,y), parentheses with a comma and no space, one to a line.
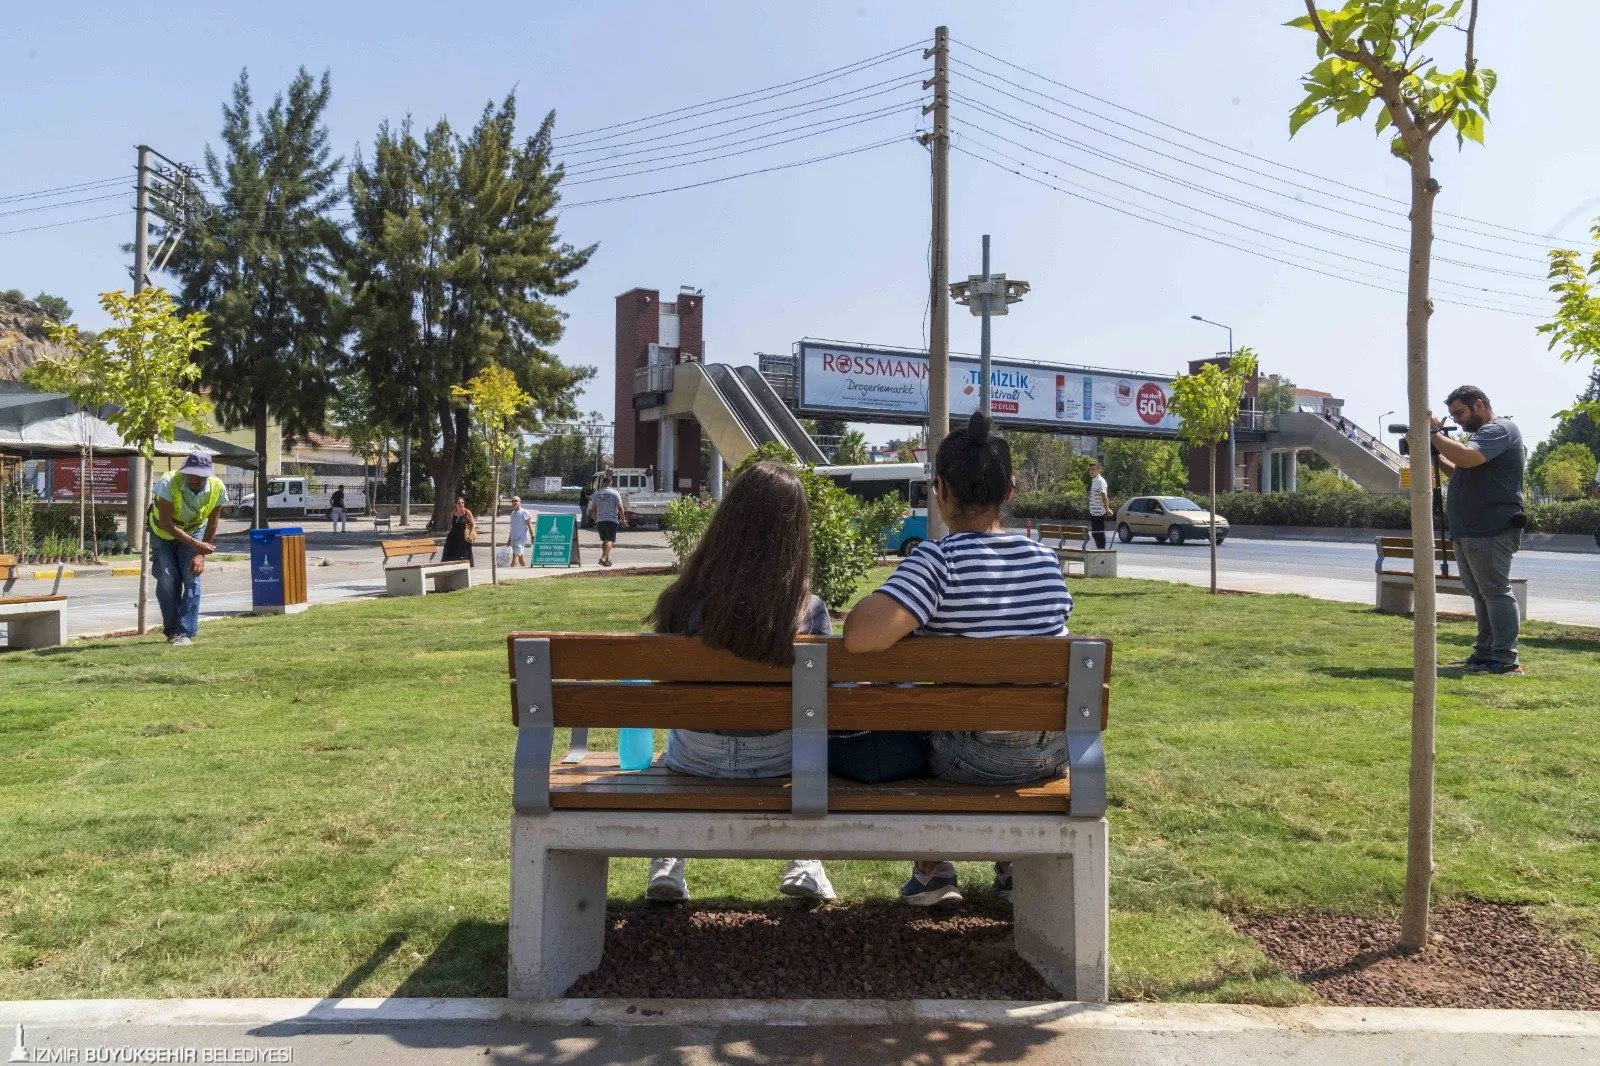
(264,266)
(453,265)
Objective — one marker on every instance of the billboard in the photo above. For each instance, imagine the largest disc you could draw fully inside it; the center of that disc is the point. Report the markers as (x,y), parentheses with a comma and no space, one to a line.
(863,383)
(110,479)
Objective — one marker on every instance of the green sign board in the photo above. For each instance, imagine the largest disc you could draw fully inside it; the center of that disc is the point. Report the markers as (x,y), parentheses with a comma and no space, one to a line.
(555,539)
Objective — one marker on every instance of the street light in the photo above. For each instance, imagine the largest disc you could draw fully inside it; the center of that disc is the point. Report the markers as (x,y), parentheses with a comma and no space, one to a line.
(984,295)
(1232,467)
(1382,420)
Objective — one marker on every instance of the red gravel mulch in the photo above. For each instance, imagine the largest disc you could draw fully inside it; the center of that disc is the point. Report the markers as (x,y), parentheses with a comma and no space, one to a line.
(861,951)
(1479,955)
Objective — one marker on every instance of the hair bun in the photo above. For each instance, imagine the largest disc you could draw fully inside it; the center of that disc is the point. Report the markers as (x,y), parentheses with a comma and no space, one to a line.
(979,428)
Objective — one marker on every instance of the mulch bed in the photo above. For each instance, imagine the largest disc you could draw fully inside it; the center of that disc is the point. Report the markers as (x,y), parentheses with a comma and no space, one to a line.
(1479,955)
(789,951)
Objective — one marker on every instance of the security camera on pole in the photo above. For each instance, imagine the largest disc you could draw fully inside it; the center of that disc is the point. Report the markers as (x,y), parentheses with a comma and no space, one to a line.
(984,295)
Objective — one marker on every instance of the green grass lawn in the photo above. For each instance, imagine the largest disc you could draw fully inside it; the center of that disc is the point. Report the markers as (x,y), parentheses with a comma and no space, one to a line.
(318,804)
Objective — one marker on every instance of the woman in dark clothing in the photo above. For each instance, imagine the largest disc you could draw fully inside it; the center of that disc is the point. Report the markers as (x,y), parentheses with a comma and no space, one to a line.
(463,531)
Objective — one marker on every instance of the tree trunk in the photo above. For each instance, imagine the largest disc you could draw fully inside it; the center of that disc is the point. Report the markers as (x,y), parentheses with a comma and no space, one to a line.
(94,523)
(1425,621)
(259,519)
(144,543)
(494,527)
(83,492)
(1213,465)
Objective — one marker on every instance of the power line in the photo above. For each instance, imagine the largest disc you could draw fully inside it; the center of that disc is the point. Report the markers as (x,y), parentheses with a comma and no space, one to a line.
(745,174)
(66,203)
(61,190)
(797,83)
(1539,239)
(1360,238)
(69,222)
(831,125)
(819,104)
(1471,287)
(1227,243)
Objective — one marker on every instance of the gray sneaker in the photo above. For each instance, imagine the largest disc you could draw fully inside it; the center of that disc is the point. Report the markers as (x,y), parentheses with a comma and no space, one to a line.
(667,882)
(939,888)
(806,879)
(180,641)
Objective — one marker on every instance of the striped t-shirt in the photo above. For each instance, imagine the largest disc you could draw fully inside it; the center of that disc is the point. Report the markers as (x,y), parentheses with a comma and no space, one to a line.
(982,585)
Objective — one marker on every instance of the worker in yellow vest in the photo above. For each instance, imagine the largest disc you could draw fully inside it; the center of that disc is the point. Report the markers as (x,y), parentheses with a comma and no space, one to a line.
(183,525)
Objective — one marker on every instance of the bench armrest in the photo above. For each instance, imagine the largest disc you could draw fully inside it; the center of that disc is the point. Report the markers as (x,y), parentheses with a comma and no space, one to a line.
(530,769)
(1085,753)
(808,732)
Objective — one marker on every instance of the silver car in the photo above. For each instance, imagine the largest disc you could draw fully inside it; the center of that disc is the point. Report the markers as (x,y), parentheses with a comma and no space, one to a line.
(1173,519)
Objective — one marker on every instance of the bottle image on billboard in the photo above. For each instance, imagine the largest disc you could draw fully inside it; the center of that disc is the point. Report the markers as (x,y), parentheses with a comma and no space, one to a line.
(1061,396)
(1088,398)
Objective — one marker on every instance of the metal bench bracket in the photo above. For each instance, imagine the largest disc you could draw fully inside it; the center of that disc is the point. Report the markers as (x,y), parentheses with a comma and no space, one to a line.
(530,778)
(1086,675)
(808,782)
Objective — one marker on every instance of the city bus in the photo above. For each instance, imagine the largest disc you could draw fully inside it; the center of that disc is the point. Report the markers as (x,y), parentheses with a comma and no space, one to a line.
(877,480)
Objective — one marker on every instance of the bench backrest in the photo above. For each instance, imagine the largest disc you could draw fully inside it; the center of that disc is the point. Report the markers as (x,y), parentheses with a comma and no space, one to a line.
(8,565)
(1401,548)
(1062,533)
(1049,684)
(408,548)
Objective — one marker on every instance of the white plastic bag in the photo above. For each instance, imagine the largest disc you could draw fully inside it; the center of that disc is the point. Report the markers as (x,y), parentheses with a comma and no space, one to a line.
(502,555)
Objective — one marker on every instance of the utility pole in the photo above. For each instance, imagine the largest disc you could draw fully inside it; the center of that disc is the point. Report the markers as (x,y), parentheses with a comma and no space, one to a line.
(983,349)
(939,269)
(986,295)
(138,465)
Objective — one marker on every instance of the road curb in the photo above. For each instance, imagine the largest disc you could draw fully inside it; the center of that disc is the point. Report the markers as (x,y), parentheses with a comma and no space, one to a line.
(1177,1019)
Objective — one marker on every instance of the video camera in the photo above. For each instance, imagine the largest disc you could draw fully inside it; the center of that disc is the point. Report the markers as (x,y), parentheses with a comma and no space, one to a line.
(1404,430)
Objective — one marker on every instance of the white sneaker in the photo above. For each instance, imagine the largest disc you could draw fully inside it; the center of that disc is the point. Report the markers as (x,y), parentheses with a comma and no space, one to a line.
(180,641)
(667,882)
(806,879)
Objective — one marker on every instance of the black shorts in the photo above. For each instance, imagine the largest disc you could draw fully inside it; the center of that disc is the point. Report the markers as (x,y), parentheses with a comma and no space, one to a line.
(608,532)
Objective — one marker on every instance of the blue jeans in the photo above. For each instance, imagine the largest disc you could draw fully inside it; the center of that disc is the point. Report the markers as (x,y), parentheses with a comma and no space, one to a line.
(996,758)
(177,590)
(710,755)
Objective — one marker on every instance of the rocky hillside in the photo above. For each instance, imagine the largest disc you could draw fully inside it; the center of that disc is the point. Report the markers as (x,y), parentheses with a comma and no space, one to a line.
(22,337)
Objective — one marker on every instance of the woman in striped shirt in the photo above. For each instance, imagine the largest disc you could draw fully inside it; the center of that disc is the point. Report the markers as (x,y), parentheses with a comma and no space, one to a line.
(980,580)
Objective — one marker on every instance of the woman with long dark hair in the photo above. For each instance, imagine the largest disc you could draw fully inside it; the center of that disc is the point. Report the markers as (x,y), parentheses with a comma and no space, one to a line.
(746,588)
(463,532)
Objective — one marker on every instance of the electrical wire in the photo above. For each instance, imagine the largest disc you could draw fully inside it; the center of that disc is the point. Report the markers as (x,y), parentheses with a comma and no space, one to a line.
(1226,243)
(1360,238)
(745,174)
(1471,287)
(119,194)
(798,84)
(1539,239)
(61,190)
(819,104)
(68,222)
(829,125)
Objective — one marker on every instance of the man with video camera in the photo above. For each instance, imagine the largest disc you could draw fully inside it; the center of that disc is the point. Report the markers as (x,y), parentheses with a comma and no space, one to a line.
(1485,521)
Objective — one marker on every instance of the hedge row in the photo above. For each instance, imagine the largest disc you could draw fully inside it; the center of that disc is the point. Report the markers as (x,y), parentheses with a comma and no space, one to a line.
(1337,510)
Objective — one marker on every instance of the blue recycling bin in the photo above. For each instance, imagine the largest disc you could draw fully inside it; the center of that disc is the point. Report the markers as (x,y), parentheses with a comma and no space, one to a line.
(277,571)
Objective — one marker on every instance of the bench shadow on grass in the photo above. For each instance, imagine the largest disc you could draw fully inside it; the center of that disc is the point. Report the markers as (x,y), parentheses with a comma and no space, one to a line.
(471,962)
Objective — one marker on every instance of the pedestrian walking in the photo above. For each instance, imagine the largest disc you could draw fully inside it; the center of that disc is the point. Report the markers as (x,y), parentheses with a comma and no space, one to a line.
(463,534)
(609,515)
(182,520)
(1099,504)
(519,535)
(336,513)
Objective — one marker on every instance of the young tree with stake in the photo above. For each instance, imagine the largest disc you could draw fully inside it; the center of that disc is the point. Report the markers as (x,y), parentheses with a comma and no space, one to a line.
(1370,52)
(1207,404)
(496,401)
(145,364)
(80,380)
(1576,325)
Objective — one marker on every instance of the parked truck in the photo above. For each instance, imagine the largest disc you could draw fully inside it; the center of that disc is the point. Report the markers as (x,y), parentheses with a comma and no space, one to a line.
(287,498)
(640,500)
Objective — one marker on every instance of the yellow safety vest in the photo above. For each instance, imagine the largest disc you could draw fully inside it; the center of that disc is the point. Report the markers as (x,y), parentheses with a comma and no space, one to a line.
(191,520)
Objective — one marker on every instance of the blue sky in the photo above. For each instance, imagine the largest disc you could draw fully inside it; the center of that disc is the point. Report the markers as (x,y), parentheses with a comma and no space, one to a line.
(838,249)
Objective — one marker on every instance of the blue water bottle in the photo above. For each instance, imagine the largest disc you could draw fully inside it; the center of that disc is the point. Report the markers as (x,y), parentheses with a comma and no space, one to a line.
(636,748)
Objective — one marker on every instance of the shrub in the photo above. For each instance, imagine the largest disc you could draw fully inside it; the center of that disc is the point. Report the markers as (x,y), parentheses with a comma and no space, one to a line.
(1340,510)
(1575,516)
(1056,506)
(684,522)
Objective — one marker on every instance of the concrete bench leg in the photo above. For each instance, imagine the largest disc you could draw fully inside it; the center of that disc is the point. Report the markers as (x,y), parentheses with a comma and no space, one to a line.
(1100,564)
(558,916)
(452,581)
(45,630)
(1393,598)
(1062,914)
(403,582)
(1521,593)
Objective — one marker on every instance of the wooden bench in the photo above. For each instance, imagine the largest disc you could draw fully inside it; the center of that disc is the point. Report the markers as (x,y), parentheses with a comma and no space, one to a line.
(31,621)
(1072,546)
(413,579)
(1395,586)
(568,819)
(382,522)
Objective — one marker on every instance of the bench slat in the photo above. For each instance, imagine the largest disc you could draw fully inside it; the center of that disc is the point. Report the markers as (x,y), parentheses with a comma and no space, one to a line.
(6,601)
(712,706)
(659,657)
(599,784)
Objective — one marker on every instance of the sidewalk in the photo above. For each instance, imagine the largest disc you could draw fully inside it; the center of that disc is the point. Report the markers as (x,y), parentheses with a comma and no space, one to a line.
(411,1032)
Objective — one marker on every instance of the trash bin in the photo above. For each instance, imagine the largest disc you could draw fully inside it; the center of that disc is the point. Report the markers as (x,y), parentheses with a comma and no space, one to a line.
(277,571)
